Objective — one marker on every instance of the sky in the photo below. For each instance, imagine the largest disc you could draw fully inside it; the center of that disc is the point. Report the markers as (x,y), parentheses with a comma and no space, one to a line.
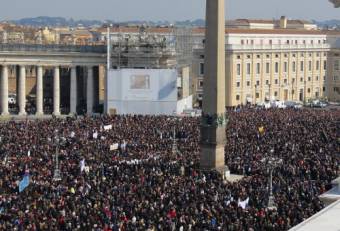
(171,10)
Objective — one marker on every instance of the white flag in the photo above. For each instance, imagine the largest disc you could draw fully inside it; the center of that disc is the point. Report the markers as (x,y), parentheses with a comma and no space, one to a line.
(82,165)
(29,153)
(243,204)
(72,134)
(95,135)
(108,127)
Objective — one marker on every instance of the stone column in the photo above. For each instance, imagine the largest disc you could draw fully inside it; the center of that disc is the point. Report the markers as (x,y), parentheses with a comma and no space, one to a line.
(39,92)
(22,91)
(56,91)
(4,90)
(213,134)
(89,90)
(73,91)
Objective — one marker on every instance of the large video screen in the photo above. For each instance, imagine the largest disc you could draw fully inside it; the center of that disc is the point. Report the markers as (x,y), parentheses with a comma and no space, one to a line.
(139,82)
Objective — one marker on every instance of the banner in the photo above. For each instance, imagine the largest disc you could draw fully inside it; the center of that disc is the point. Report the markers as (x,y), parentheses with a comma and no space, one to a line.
(114,147)
(107,127)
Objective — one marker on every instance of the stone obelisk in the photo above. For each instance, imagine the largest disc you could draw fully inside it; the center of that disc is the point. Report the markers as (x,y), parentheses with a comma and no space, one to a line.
(213,133)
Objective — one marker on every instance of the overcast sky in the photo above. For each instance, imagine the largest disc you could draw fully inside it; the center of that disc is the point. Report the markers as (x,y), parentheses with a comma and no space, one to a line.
(122,10)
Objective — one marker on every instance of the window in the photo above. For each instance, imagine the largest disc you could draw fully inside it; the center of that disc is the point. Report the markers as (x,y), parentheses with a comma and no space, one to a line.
(276,55)
(301,65)
(200,83)
(257,95)
(268,56)
(238,67)
(276,81)
(317,65)
(310,65)
(237,97)
(301,79)
(275,93)
(276,67)
(258,56)
(201,71)
(285,67)
(308,90)
(293,80)
(309,79)
(248,83)
(242,41)
(248,56)
(267,82)
(248,69)
(285,81)
(257,83)
(324,78)
(238,57)
(294,66)
(323,89)
(335,78)
(238,84)
(267,68)
(325,65)
(336,65)
(258,68)
(317,78)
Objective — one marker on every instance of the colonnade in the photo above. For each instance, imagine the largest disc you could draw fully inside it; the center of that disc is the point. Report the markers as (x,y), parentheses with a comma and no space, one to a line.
(4,102)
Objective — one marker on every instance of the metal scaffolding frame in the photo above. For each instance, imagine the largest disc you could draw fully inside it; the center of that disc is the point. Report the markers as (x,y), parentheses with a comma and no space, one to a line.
(168,48)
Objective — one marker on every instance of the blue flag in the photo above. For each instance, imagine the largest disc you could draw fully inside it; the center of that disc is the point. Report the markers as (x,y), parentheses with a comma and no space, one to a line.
(24,183)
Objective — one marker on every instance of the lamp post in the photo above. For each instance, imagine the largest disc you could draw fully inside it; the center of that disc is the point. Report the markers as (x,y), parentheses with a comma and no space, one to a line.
(56,174)
(271,163)
(174,144)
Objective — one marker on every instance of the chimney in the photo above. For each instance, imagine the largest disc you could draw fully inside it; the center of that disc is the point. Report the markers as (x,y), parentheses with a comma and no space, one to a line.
(283,22)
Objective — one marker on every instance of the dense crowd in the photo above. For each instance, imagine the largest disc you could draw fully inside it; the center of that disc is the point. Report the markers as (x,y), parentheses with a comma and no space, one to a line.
(122,173)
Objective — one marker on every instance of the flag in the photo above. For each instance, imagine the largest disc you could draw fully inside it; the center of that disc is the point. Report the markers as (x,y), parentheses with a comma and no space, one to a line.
(24,183)
(243,204)
(29,153)
(261,130)
(114,147)
(72,134)
(95,135)
(82,165)
(108,127)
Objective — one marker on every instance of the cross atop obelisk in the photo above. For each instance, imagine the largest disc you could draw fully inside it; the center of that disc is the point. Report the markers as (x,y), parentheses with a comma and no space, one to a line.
(213,137)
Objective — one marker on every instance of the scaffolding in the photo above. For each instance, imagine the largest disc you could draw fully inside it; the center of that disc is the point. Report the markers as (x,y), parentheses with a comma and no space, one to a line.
(152,48)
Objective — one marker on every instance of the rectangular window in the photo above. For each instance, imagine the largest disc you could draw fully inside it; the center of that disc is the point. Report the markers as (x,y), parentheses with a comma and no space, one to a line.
(238,84)
(267,68)
(276,67)
(325,65)
(258,68)
(294,66)
(310,65)
(285,67)
(248,69)
(238,69)
(336,65)
(201,71)
(317,65)
(301,66)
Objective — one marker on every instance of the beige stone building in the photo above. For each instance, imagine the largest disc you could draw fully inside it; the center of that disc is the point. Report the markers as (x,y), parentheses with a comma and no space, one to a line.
(269,64)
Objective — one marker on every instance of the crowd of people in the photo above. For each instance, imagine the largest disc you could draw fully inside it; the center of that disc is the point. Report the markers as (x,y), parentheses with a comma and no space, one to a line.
(125,173)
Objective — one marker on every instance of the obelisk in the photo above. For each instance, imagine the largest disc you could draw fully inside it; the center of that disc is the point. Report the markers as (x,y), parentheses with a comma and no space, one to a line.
(213,125)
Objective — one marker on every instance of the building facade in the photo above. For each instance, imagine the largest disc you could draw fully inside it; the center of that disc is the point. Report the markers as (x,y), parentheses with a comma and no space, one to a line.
(273,64)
